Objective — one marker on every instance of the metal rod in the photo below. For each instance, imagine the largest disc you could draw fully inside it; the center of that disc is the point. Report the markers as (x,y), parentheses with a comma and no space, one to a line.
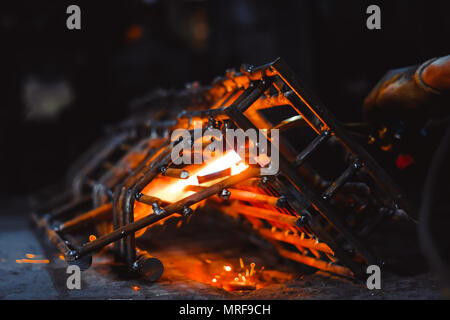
(101,212)
(167,211)
(296,240)
(238,194)
(262,213)
(290,123)
(73,205)
(150,200)
(175,173)
(334,187)
(311,147)
(253,95)
(52,235)
(124,203)
(213,176)
(319,264)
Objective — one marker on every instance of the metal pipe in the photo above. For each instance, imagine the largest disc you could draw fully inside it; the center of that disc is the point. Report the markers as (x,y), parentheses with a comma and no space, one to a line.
(296,240)
(99,213)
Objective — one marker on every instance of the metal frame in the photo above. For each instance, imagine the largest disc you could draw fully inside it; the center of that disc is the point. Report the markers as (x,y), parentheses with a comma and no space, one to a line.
(296,207)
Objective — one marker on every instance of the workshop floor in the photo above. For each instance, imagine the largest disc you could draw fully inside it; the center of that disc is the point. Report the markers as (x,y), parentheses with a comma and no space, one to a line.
(201,256)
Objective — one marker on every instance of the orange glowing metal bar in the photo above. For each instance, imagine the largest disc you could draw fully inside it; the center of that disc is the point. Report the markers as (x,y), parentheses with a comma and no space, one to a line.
(32,261)
(175,191)
(29,255)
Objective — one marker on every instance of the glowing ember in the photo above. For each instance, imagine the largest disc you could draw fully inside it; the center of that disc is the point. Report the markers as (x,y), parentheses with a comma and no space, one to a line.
(245,279)
(175,191)
(135,288)
(171,190)
(29,259)
(92,237)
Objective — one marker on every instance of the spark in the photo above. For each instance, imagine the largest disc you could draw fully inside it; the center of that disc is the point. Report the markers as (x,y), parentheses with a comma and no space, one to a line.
(32,261)
(241,263)
(252,268)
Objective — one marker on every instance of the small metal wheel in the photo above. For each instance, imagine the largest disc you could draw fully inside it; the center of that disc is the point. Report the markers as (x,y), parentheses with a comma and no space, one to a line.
(149,267)
(83,263)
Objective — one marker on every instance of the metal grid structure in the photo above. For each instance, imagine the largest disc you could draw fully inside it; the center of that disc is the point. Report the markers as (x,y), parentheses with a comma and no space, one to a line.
(320,219)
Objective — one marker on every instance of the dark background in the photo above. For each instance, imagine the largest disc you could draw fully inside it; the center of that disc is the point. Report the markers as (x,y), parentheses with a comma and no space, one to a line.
(125,49)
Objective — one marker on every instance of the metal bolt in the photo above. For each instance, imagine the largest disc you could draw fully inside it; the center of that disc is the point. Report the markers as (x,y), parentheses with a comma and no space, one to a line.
(281,202)
(157,209)
(225,194)
(303,221)
(187,211)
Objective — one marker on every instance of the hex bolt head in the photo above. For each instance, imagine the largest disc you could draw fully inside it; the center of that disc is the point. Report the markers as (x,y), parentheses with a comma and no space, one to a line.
(225,194)
(303,221)
(281,202)
(157,209)
(187,211)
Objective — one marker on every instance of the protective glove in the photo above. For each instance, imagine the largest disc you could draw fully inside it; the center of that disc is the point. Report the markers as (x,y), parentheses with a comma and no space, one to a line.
(411,95)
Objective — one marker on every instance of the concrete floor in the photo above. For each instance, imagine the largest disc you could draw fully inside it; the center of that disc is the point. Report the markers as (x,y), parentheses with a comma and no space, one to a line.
(280,279)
